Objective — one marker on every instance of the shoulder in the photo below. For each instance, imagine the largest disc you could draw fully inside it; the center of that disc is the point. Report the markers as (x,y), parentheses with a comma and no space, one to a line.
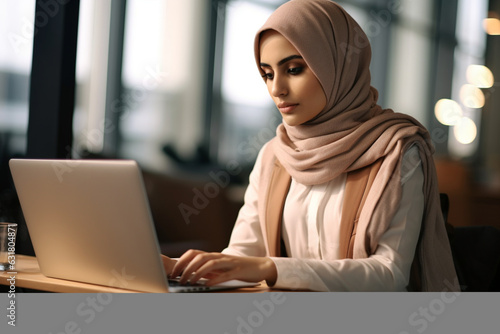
(410,163)
(266,156)
(264,164)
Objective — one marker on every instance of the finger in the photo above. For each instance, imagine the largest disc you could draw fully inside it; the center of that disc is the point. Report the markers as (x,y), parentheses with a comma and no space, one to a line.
(183,261)
(191,270)
(214,267)
(192,267)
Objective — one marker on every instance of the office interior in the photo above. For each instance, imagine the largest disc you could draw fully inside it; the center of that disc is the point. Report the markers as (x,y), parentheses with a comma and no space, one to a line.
(173,85)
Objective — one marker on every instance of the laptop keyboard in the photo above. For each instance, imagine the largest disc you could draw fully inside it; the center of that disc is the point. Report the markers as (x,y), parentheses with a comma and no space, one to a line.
(198,286)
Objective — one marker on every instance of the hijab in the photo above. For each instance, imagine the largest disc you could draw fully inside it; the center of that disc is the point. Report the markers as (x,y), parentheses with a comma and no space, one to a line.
(353,131)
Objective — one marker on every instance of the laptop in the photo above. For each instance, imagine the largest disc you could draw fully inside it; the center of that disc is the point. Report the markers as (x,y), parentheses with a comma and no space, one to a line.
(90,221)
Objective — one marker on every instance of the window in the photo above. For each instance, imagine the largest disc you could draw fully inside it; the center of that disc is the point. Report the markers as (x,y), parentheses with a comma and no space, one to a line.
(16,45)
(17,27)
(248,115)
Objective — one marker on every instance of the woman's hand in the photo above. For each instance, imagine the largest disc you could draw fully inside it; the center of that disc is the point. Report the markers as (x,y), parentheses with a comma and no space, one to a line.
(218,268)
(168,264)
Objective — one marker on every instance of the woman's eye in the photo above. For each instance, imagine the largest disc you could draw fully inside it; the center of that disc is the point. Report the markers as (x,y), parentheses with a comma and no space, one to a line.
(268,76)
(295,70)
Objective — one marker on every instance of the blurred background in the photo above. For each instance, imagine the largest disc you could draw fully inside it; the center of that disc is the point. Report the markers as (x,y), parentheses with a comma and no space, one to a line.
(173,84)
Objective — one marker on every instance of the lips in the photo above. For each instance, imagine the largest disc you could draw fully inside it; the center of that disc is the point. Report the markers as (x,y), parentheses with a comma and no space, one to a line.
(287,107)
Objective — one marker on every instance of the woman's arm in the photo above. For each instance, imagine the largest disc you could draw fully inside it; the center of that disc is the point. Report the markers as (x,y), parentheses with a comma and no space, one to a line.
(247,238)
(244,258)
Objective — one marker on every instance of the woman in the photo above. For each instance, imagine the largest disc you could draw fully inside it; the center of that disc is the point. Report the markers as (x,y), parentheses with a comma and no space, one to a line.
(314,59)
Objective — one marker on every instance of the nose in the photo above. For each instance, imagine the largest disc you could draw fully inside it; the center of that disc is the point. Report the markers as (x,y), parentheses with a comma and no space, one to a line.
(279,86)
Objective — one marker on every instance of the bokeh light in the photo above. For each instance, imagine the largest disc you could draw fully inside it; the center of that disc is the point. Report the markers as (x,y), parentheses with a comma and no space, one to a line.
(479,76)
(448,112)
(471,96)
(465,130)
(491,26)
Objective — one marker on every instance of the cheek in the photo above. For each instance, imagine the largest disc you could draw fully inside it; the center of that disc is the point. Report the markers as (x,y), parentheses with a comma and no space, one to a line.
(314,93)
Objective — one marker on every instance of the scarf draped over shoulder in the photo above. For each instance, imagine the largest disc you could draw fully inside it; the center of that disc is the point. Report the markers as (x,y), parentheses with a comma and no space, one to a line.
(352,132)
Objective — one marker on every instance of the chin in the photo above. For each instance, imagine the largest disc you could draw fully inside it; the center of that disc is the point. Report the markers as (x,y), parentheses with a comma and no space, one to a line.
(292,122)
(289,123)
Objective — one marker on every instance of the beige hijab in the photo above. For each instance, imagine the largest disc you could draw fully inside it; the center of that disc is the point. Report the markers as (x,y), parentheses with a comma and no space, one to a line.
(353,131)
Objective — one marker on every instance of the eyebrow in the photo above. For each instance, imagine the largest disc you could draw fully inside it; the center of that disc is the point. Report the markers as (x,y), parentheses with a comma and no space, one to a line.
(283,61)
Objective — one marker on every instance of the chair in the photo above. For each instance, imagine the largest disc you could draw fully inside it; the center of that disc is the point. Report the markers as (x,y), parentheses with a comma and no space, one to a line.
(476,254)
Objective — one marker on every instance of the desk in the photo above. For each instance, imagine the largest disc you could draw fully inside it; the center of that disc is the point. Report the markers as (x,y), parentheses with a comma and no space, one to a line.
(28,276)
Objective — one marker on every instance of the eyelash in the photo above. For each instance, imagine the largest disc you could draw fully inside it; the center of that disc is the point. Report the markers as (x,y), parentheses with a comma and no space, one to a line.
(295,70)
(292,71)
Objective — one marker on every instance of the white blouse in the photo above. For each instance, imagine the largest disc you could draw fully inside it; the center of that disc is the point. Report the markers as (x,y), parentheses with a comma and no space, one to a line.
(310,230)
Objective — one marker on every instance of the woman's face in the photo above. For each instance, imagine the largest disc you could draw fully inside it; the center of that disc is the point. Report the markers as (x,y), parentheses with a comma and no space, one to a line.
(292,85)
